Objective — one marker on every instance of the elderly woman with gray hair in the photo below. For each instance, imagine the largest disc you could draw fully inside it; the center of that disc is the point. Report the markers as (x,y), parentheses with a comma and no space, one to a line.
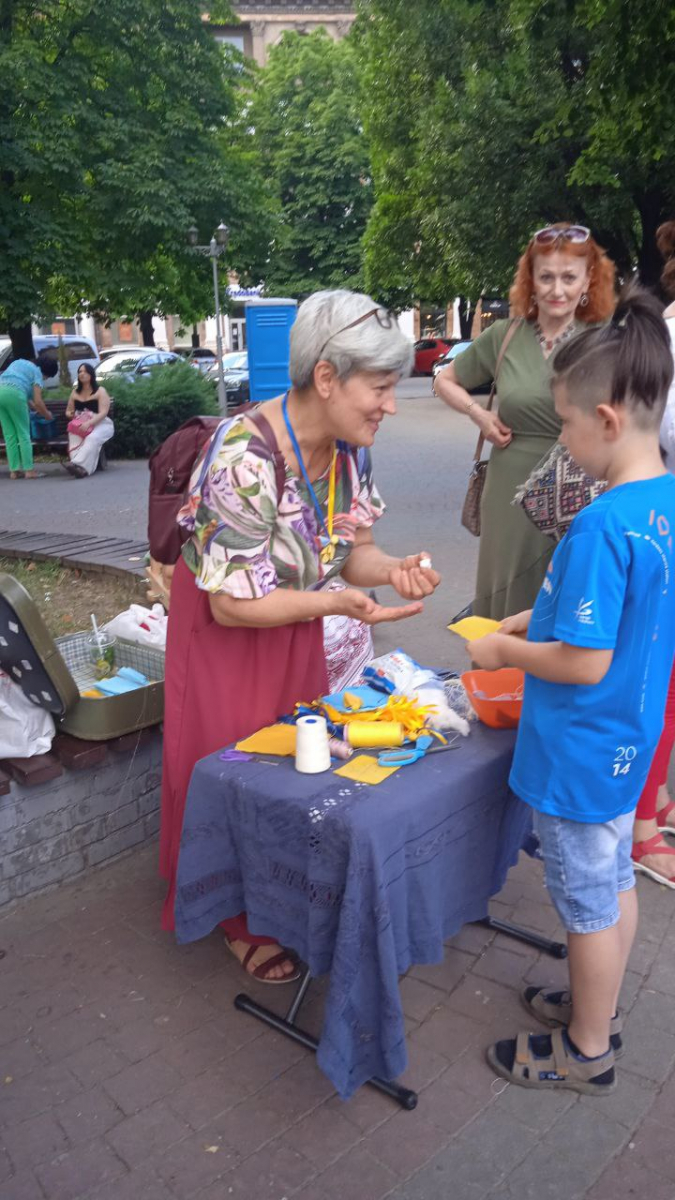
(280,504)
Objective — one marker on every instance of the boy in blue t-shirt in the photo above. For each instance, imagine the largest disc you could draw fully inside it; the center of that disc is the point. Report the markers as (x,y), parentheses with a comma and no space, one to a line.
(598,657)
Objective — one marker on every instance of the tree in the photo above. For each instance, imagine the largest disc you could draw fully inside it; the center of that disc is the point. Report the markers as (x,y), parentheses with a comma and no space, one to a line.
(306,118)
(489,118)
(118,121)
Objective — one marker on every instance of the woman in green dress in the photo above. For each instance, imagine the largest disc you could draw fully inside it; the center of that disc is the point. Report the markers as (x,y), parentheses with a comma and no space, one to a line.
(564,280)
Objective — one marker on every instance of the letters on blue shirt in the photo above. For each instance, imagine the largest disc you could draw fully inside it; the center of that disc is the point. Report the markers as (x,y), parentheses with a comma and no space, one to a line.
(23,375)
(584,752)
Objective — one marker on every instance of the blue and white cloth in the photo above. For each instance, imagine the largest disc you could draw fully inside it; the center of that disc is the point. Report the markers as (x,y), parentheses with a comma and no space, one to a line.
(361,881)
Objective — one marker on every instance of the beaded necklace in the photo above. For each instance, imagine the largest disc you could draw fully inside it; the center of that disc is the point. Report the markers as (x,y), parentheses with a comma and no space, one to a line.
(549,344)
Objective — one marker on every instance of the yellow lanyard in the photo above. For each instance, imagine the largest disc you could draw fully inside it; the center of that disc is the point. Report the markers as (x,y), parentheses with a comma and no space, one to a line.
(327,554)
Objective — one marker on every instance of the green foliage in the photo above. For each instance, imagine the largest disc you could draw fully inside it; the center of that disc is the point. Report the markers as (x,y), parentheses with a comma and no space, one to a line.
(305,112)
(56,393)
(120,129)
(148,410)
(489,118)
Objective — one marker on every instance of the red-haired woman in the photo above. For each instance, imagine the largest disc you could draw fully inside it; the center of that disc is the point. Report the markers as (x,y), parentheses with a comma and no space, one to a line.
(564,280)
(656,811)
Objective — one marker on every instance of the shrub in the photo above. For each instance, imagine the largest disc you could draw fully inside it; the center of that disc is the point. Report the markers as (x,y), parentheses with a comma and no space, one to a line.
(149,409)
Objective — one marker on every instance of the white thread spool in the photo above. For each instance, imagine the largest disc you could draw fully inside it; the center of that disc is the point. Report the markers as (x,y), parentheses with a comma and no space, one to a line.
(312,752)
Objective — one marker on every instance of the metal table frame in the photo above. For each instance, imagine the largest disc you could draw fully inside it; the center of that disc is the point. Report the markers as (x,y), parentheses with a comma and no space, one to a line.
(288,1027)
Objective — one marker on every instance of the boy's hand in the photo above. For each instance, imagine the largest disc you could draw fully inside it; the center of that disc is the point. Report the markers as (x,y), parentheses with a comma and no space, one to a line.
(488,652)
(518,624)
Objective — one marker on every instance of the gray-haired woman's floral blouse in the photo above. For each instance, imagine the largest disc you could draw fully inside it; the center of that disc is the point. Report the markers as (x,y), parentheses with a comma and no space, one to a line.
(246,540)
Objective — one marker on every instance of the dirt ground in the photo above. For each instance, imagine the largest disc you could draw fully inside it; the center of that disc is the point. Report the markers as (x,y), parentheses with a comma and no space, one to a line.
(66,596)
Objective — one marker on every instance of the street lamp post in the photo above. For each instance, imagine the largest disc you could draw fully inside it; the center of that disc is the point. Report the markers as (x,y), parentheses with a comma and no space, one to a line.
(215,248)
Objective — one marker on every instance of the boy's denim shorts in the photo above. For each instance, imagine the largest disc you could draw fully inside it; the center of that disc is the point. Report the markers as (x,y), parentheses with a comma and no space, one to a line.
(586,866)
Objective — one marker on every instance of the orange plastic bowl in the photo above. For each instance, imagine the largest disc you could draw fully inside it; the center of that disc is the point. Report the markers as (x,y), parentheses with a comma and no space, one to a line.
(498,714)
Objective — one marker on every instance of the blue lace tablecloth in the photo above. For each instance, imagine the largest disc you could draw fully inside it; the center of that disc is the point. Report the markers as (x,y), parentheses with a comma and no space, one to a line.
(361,881)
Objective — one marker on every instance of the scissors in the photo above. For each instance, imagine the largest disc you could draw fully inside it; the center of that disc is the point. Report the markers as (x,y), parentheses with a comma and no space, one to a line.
(405,758)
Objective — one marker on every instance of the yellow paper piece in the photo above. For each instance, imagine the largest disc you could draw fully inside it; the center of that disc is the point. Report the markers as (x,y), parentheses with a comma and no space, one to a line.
(274,739)
(473,628)
(365,769)
(93,694)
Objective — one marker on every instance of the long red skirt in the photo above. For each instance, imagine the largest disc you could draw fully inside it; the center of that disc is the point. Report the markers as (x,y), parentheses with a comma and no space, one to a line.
(221,685)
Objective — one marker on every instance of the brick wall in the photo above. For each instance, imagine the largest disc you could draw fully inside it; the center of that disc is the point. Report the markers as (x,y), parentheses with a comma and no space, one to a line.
(101,800)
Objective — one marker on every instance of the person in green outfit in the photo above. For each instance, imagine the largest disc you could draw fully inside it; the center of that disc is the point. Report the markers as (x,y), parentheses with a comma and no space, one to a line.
(21,385)
(563,283)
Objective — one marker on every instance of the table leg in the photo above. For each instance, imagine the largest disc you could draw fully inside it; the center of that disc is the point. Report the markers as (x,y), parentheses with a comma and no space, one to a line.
(555,949)
(286,1025)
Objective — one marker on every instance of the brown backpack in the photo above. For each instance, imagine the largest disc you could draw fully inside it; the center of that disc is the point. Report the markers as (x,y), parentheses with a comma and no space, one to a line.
(171,465)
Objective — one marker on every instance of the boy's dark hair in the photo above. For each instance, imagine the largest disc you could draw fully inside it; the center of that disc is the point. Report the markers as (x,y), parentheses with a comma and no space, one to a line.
(628,361)
(48,366)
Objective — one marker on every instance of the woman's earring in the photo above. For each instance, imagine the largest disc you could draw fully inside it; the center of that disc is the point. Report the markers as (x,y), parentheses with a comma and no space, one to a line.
(584,300)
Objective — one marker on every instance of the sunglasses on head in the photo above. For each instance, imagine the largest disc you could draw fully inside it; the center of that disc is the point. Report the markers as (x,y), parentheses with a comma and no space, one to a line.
(384,318)
(575,234)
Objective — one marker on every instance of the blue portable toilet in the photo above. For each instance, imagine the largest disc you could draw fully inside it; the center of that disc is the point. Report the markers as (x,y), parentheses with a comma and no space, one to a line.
(268,328)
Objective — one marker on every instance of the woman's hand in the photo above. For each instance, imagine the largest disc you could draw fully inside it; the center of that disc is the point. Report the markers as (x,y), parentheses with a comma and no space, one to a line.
(494,430)
(353,603)
(413,581)
(517,625)
(488,652)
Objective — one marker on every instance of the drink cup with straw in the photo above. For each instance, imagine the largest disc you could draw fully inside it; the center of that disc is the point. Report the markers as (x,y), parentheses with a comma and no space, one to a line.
(102,650)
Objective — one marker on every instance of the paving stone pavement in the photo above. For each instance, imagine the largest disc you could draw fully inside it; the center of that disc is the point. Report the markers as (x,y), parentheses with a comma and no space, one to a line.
(126,1073)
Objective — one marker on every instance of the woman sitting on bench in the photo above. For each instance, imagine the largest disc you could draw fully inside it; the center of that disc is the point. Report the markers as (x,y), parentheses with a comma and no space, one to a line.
(89,405)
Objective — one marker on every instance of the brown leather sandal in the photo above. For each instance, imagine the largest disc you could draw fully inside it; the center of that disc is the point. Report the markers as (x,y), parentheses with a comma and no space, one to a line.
(260,972)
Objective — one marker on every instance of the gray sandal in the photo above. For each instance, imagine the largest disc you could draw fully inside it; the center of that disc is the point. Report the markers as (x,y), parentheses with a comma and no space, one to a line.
(555,1008)
(546,1061)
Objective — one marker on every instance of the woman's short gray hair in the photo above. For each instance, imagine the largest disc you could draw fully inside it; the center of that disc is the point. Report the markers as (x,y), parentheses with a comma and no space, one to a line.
(319,334)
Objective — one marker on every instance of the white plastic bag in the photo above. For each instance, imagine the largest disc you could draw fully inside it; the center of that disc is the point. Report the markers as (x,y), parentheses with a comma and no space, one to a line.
(407,678)
(146,626)
(25,729)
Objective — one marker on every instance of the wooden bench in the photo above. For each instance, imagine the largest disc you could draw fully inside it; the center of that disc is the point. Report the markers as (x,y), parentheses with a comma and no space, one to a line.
(58,444)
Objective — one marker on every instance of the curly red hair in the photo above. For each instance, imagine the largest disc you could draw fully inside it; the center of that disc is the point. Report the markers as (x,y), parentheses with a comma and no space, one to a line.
(665,240)
(601,296)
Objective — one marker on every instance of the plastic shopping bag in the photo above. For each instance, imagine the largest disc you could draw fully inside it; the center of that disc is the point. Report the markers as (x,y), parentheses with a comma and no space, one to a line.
(25,728)
(146,626)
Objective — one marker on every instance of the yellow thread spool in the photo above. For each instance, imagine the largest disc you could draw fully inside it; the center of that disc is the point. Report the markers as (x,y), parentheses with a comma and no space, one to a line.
(373,734)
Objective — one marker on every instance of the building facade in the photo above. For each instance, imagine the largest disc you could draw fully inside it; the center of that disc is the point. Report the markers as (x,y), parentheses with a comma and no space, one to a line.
(263,22)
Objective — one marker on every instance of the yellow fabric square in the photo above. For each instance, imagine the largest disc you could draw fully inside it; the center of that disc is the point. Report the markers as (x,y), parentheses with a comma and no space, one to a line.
(274,739)
(365,769)
(473,628)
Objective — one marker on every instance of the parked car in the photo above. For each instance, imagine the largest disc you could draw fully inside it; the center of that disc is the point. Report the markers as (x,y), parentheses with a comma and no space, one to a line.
(79,349)
(428,351)
(235,370)
(124,347)
(199,357)
(483,389)
(135,362)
